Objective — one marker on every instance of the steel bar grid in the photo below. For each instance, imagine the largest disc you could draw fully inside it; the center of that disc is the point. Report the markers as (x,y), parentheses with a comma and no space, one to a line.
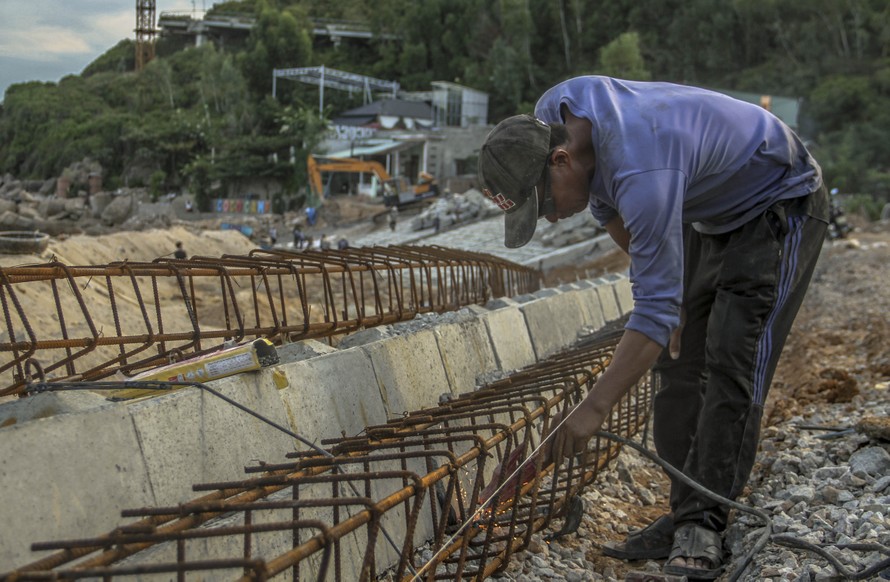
(390,501)
(127,317)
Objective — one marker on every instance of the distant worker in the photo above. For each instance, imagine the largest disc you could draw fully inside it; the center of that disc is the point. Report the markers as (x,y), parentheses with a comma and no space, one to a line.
(393,218)
(273,235)
(342,244)
(324,243)
(188,206)
(299,237)
(179,253)
(311,215)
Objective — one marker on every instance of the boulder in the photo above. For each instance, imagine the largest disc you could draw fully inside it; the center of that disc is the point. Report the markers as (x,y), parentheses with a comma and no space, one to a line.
(99,202)
(51,206)
(48,187)
(30,211)
(14,221)
(32,185)
(118,210)
(11,190)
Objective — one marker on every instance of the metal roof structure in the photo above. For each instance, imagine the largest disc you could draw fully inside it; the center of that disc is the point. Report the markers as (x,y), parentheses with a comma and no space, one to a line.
(335,79)
(372,148)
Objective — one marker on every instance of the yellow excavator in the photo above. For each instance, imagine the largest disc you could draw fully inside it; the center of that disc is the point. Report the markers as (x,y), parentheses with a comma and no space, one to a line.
(396,191)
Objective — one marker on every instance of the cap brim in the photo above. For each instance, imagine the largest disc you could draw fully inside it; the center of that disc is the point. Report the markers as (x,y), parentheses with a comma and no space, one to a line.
(520,224)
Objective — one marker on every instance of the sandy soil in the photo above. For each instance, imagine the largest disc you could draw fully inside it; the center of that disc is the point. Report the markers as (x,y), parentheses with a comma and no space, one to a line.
(143,246)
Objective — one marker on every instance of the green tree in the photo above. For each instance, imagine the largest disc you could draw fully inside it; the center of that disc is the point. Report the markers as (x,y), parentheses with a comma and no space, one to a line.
(622,58)
(278,39)
(204,114)
(120,58)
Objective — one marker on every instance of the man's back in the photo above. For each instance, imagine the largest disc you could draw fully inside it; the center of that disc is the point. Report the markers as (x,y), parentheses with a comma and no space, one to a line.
(728,159)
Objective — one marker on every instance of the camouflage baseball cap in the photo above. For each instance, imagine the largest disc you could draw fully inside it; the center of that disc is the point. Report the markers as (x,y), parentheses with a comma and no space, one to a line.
(511,162)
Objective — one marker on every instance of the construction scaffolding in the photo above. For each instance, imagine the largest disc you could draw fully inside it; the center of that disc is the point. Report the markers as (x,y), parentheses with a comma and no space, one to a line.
(145,32)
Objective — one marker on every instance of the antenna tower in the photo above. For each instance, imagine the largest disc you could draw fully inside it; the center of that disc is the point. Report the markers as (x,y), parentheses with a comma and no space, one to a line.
(145,32)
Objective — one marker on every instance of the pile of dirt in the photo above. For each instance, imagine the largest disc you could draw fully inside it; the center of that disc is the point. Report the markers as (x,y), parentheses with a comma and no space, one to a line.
(349,210)
(143,246)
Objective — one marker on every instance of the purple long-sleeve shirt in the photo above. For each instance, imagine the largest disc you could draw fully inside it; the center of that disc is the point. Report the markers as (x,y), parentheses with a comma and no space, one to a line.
(670,154)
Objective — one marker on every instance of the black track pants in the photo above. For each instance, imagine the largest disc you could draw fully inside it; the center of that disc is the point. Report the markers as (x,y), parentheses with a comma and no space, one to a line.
(742,290)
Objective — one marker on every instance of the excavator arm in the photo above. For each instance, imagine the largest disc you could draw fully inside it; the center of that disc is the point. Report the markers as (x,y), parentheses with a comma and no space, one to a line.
(397,191)
(316,165)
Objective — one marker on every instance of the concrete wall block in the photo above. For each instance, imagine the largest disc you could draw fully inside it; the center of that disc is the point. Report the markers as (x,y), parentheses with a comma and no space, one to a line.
(474,309)
(509,338)
(623,291)
(409,372)
(525,298)
(48,404)
(394,522)
(546,292)
(366,336)
(501,303)
(303,350)
(267,545)
(192,436)
(277,543)
(589,306)
(68,476)
(333,393)
(608,299)
(553,323)
(466,352)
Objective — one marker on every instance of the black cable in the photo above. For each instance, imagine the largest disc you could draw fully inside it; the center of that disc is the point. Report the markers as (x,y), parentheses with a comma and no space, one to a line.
(767,536)
(758,545)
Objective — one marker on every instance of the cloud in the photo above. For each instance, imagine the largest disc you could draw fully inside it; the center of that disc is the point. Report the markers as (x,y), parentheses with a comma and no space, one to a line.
(43,44)
(47,39)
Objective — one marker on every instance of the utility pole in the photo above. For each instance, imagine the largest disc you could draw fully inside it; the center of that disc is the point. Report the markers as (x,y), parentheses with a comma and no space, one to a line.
(145,32)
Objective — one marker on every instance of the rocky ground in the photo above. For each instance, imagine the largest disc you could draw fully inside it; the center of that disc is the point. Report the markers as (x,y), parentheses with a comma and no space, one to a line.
(823,470)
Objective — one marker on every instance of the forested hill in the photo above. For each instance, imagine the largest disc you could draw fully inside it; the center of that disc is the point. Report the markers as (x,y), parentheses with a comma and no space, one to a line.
(195,116)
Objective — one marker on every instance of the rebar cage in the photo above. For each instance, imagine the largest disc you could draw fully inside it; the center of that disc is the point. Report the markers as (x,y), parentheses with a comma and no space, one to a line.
(125,317)
(447,493)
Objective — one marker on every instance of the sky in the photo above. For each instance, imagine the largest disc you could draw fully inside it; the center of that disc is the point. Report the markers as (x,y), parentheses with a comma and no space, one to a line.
(45,40)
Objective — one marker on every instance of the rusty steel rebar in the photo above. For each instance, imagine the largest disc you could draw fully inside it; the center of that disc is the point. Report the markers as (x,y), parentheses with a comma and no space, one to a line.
(427,481)
(127,317)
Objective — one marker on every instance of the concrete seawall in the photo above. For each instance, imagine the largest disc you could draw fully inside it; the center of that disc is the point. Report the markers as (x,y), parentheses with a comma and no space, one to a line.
(71,462)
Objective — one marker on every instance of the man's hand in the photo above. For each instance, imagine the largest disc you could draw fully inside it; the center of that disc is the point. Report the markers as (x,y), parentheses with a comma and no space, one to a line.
(572,437)
(633,357)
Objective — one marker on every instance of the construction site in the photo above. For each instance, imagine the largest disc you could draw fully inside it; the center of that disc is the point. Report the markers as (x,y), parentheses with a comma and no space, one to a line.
(363,387)
(373,413)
